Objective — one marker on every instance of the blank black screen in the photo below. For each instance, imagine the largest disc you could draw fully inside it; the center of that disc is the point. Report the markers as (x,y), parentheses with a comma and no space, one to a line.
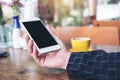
(39,34)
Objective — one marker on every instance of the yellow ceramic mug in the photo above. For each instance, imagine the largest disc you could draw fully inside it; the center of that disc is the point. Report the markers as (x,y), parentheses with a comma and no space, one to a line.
(80,44)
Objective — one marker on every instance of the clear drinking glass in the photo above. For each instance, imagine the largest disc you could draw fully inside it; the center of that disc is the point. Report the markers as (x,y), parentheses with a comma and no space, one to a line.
(5,36)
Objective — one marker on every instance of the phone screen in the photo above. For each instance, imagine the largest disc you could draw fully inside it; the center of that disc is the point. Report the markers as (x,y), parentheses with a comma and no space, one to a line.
(40,34)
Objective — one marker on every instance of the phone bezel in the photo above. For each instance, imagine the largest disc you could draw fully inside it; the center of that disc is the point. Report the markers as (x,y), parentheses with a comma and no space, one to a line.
(45,49)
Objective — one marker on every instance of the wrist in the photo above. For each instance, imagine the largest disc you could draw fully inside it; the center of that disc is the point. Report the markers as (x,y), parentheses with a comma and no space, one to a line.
(66,57)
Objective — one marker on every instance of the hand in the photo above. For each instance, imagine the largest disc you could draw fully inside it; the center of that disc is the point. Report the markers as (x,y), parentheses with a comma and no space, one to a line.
(55,59)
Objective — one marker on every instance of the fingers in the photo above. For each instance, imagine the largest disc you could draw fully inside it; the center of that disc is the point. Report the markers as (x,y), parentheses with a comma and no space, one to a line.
(27,39)
(39,58)
(35,53)
(32,50)
(30,47)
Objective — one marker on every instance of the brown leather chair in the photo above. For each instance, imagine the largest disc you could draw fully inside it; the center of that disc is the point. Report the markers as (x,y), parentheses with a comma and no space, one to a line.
(98,35)
(114,23)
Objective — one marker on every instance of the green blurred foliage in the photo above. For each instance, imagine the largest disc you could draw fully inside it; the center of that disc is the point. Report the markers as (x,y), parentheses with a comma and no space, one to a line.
(1,15)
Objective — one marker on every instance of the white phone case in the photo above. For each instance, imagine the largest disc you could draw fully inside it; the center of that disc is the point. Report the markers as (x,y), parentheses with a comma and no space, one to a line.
(44,49)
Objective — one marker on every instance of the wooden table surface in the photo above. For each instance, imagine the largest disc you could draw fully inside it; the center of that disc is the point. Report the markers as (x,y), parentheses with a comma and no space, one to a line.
(19,66)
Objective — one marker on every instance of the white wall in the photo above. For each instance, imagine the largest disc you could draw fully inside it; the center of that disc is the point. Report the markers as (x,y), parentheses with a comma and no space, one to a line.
(107,12)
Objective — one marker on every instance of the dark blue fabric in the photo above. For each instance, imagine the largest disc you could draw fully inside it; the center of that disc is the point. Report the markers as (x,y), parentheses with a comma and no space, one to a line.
(94,65)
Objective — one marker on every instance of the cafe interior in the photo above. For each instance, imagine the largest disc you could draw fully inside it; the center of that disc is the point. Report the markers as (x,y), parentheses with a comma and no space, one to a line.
(98,20)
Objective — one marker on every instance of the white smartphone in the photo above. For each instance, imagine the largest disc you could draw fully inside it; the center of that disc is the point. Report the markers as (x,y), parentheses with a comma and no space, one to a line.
(40,35)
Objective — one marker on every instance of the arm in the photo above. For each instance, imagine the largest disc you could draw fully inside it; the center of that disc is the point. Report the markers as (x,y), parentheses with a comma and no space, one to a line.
(94,65)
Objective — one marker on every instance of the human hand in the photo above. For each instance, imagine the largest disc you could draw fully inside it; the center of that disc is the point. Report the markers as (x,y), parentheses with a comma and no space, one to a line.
(55,59)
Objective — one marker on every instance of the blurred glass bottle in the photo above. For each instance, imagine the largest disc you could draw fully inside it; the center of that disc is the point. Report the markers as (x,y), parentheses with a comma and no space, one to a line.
(16,32)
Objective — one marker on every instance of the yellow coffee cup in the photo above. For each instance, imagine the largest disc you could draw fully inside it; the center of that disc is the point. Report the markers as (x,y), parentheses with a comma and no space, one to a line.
(80,44)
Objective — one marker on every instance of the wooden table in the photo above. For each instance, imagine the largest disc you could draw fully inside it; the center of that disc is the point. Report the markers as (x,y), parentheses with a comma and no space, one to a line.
(19,66)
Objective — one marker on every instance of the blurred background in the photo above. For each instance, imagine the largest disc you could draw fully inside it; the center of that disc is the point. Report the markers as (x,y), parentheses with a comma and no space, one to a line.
(66,12)
(56,13)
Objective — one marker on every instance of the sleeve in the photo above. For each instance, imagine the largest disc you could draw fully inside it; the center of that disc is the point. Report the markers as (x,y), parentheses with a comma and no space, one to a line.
(94,65)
